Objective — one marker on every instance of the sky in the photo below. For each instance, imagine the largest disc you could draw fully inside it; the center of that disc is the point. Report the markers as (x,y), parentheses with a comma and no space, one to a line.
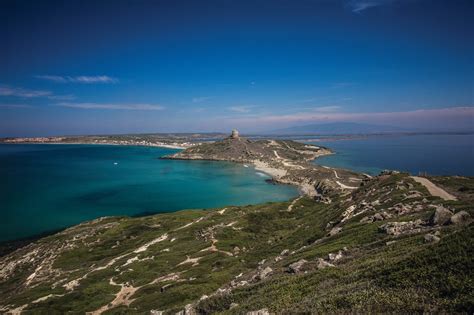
(113,66)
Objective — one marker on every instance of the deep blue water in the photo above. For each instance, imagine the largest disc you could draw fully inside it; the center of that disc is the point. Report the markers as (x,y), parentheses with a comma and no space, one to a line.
(48,187)
(434,154)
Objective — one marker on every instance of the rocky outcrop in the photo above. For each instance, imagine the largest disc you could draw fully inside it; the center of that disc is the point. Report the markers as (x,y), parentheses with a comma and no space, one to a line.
(297,266)
(397,228)
(441,216)
(461,218)
(263,274)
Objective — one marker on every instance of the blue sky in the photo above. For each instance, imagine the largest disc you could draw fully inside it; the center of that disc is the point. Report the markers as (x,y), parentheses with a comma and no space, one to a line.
(90,67)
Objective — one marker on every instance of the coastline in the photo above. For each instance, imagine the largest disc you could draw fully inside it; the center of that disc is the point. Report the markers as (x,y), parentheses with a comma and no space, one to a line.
(167,146)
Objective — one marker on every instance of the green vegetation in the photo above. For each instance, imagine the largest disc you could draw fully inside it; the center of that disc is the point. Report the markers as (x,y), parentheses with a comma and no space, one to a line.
(171,260)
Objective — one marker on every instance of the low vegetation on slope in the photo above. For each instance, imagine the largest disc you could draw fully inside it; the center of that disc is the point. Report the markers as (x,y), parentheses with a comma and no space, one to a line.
(387,246)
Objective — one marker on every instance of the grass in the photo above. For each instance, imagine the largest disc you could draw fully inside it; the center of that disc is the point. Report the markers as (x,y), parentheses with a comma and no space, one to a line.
(407,276)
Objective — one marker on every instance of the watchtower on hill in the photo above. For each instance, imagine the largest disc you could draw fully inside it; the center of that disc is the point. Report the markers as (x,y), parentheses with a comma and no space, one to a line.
(234,134)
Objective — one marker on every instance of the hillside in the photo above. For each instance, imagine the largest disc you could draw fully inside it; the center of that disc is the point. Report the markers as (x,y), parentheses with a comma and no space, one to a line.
(388,246)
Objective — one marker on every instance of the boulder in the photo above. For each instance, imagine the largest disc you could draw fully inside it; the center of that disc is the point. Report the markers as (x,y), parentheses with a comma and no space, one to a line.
(462,217)
(378,217)
(335,256)
(335,230)
(263,311)
(263,274)
(441,216)
(285,252)
(297,266)
(324,264)
(431,238)
(233,305)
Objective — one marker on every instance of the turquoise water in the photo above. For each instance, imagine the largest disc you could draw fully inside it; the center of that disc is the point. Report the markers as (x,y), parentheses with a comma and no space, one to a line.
(48,187)
(434,154)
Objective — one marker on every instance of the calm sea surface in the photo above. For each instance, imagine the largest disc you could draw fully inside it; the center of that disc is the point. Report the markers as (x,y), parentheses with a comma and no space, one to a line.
(434,154)
(48,187)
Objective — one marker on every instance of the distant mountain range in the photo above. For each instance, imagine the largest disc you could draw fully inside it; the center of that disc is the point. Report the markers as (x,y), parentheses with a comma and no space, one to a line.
(338,128)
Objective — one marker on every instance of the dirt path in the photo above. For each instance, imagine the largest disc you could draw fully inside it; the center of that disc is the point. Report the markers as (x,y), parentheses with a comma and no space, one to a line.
(433,189)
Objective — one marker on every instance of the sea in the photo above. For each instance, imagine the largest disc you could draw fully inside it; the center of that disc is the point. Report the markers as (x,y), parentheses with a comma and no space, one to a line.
(431,154)
(46,187)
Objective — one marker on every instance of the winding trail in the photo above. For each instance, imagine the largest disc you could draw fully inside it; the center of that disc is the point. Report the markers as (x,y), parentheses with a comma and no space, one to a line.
(433,189)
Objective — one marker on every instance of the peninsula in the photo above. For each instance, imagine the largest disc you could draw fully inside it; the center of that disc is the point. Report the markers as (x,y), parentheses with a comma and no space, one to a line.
(350,242)
(287,161)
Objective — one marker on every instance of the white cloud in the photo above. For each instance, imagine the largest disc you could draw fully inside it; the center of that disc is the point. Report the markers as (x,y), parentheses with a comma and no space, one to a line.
(241,109)
(453,116)
(68,97)
(20,92)
(78,79)
(327,109)
(357,6)
(112,106)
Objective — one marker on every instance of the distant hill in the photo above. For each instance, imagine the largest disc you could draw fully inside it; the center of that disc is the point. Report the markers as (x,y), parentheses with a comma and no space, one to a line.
(338,128)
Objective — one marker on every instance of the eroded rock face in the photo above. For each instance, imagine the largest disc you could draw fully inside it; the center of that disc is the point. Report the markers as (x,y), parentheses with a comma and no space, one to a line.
(441,216)
(462,217)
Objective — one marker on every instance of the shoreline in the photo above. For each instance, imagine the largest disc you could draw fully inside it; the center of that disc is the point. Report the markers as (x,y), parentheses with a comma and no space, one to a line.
(114,144)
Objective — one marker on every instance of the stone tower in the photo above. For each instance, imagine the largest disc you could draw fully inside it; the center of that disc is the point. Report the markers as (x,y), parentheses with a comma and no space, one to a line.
(234,134)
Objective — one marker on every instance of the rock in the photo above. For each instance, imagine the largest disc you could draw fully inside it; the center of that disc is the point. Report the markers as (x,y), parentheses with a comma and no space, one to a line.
(378,217)
(236,250)
(431,238)
(441,216)
(233,305)
(297,266)
(397,228)
(389,172)
(413,194)
(335,256)
(390,243)
(263,274)
(335,230)
(285,252)
(189,310)
(263,311)
(324,264)
(462,217)
(375,203)
(156,312)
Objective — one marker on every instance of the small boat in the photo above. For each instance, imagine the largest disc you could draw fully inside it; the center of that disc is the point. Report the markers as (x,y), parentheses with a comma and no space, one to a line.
(115,163)
(245,165)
